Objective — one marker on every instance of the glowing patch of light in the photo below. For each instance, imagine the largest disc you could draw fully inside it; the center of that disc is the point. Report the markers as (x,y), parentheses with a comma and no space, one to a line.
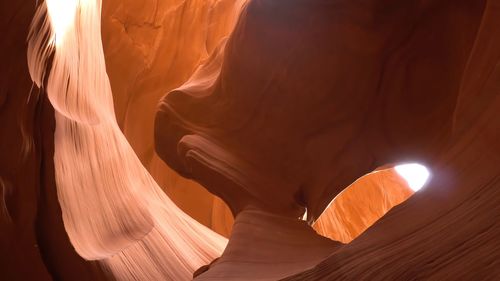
(416,175)
(62,17)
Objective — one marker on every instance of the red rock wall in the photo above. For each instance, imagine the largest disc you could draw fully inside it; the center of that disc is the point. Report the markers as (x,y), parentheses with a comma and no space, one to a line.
(453,224)
(307,97)
(19,150)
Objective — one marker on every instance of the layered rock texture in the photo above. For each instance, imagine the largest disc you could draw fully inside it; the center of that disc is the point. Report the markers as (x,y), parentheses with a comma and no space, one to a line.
(33,242)
(264,121)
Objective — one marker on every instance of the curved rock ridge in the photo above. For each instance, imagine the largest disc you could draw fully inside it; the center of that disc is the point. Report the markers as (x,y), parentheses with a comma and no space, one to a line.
(266,246)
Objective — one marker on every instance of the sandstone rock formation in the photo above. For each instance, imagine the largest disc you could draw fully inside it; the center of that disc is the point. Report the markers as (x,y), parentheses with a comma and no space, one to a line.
(112,209)
(33,241)
(307,97)
(275,119)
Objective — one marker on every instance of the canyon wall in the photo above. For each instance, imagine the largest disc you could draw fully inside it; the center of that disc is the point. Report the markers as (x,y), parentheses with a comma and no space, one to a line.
(33,242)
(272,122)
(151,47)
(306,97)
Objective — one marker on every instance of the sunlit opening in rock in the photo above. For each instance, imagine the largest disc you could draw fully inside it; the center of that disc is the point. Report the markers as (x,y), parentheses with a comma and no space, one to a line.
(415,175)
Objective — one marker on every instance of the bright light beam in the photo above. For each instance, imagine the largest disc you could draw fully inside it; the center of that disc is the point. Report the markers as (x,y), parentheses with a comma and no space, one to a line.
(415,175)
(62,16)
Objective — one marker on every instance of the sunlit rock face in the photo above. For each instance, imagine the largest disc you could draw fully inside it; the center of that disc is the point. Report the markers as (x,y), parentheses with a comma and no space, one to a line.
(33,241)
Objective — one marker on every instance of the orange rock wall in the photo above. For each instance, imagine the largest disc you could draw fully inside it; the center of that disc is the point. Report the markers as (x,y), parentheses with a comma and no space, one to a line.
(152,47)
(362,204)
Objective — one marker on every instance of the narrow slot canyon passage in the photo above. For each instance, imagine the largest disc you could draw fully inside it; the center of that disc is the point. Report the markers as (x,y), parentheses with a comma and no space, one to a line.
(249,140)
